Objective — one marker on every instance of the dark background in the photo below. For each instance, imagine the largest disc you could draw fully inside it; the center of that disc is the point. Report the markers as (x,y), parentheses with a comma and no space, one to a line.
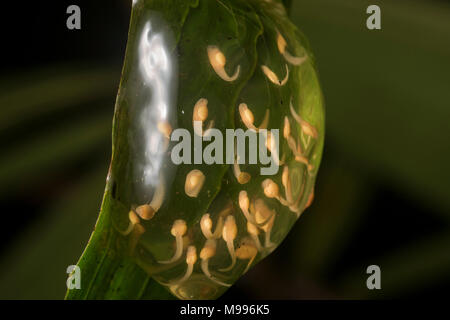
(382,195)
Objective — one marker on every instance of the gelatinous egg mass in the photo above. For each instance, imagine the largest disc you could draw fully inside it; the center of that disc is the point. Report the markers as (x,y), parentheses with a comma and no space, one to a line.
(197,205)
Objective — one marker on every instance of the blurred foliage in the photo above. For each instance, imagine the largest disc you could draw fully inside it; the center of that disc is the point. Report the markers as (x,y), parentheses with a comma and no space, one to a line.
(382,196)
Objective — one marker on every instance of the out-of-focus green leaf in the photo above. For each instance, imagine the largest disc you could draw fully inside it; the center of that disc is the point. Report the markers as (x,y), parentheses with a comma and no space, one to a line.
(387,100)
(329,225)
(287,4)
(410,268)
(40,154)
(39,95)
(35,265)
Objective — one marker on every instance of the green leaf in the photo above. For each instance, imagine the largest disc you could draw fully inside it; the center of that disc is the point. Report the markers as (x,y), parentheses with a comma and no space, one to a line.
(252,38)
